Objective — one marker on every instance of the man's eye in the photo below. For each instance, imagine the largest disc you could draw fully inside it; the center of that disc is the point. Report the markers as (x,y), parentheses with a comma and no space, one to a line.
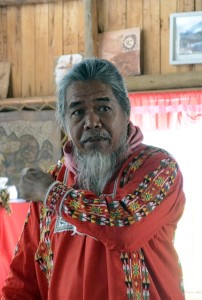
(104,108)
(77,112)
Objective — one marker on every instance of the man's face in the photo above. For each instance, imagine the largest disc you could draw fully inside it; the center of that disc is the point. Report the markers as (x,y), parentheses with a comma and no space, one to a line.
(94,118)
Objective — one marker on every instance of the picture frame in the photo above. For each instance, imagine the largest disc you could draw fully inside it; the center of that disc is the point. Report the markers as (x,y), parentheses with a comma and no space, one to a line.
(122,47)
(185,38)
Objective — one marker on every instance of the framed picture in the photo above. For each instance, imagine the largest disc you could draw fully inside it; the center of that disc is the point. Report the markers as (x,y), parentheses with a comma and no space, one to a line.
(28,139)
(122,47)
(186,38)
(65,63)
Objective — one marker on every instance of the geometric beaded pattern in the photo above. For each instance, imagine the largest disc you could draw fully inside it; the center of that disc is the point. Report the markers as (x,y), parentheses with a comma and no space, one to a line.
(44,254)
(136,275)
(130,209)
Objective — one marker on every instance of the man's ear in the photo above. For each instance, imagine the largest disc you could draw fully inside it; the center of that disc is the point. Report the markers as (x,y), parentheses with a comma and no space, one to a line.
(128,126)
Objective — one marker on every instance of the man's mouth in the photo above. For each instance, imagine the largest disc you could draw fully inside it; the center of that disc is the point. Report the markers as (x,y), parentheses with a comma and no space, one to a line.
(94,139)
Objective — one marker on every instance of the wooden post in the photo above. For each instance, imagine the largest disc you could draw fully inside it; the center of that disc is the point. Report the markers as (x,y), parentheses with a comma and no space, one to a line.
(164,81)
(90,28)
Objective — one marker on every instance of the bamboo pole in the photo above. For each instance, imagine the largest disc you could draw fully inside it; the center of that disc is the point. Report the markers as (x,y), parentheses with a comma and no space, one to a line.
(33,103)
(148,83)
(164,81)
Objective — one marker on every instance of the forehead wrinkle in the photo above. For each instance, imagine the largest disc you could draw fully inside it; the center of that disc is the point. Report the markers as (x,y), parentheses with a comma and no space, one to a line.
(99,99)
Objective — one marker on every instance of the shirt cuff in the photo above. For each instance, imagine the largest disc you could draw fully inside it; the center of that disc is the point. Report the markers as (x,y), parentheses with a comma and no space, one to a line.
(50,192)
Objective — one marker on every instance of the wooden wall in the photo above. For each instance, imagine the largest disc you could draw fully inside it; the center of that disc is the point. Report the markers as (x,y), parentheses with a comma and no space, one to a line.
(33,35)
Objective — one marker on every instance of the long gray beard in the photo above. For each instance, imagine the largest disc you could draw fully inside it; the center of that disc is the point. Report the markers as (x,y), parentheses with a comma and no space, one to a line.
(96,168)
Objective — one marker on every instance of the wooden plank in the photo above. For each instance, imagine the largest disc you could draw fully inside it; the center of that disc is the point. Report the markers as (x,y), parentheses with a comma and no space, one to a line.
(135,19)
(55,40)
(3,34)
(151,28)
(117,15)
(81,45)
(49,80)
(154,38)
(185,5)
(56,27)
(164,81)
(14,51)
(198,5)
(51,65)
(103,15)
(5,68)
(134,13)
(20,2)
(28,50)
(42,50)
(167,7)
(70,27)
(90,28)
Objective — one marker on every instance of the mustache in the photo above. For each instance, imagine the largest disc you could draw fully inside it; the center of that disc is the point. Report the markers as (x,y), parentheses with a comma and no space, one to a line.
(94,134)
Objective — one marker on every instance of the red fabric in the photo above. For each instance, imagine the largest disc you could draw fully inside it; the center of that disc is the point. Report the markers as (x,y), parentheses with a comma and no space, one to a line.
(91,265)
(10,230)
(165,110)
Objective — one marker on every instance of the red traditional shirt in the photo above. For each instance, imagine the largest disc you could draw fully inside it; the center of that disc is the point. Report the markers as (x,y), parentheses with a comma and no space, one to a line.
(117,246)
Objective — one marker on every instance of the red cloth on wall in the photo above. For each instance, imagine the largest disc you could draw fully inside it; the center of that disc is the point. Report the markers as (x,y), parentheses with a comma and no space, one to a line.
(10,230)
(165,109)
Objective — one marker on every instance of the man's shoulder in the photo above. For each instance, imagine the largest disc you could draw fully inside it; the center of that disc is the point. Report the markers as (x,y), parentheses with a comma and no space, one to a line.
(151,151)
(149,157)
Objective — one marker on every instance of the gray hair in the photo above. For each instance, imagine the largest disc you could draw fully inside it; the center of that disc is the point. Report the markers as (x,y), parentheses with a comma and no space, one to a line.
(92,69)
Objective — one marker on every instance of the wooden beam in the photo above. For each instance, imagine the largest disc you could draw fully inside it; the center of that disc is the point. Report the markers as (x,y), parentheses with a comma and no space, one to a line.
(90,28)
(32,103)
(164,81)
(20,2)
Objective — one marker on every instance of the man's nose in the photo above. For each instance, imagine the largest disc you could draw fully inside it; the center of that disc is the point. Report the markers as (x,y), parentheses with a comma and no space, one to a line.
(92,121)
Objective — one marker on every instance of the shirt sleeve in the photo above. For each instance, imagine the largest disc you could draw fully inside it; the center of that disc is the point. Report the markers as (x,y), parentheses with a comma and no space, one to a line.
(151,199)
(25,281)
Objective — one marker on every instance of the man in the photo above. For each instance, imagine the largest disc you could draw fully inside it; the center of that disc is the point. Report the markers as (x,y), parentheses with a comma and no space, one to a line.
(102,223)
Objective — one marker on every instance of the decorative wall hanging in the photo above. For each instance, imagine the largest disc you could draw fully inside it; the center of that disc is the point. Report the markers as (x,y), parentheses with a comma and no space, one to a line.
(122,47)
(64,63)
(28,139)
(186,38)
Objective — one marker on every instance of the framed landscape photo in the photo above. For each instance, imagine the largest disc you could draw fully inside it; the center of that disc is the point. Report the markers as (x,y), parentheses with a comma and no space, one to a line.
(186,38)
